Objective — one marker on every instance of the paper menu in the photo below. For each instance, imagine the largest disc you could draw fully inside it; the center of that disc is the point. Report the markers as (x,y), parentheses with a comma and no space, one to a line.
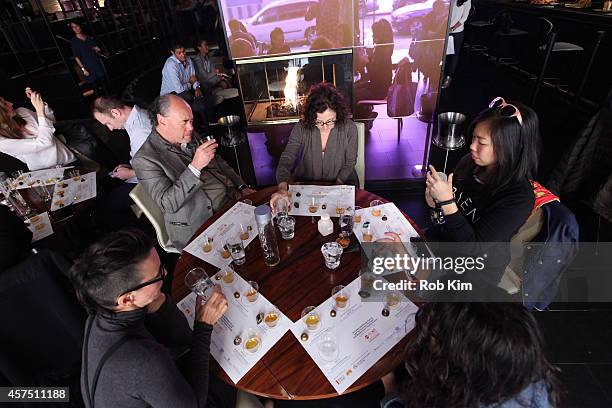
(40,225)
(240,316)
(73,190)
(46,176)
(361,334)
(390,219)
(326,198)
(239,218)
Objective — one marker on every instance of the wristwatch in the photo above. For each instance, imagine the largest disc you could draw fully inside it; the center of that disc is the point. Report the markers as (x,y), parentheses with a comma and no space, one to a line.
(442,203)
(242,187)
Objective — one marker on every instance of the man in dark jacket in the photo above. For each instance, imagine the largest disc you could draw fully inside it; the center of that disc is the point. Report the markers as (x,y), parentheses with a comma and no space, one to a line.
(118,280)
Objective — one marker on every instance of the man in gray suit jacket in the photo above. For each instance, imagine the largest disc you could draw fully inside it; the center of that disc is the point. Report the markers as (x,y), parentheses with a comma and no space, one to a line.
(187,181)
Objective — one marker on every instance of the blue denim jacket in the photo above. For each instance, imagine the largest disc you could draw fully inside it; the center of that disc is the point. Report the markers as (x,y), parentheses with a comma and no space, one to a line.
(533,396)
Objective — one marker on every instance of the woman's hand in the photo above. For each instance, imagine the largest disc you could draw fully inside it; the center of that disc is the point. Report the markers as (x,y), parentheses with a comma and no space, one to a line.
(428,198)
(282,192)
(37,102)
(439,189)
(390,237)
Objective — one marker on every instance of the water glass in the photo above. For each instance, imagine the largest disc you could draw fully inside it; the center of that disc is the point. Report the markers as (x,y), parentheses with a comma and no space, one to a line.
(328,347)
(286,225)
(281,207)
(236,248)
(311,318)
(198,282)
(332,251)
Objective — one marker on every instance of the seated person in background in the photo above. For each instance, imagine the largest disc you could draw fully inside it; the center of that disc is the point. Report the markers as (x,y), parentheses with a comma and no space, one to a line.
(15,239)
(474,355)
(323,143)
(179,77)
(28,136)
(187,181)
(114,114)
(239,31)
(277,42)
(378,68)
(241,48)
(208,75)
(118,281)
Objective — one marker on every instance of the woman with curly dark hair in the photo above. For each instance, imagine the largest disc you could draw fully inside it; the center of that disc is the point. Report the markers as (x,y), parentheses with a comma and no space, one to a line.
(323,145)
(476,355)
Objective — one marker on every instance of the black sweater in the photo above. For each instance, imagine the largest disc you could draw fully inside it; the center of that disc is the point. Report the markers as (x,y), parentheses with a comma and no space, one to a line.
(142,373)
(485,217)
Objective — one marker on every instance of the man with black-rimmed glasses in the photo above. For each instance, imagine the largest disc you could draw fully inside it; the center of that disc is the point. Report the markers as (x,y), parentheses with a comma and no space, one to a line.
(133,327)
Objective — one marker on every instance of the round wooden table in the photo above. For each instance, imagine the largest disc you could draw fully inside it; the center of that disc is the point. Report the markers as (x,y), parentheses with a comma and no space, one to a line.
(299,280)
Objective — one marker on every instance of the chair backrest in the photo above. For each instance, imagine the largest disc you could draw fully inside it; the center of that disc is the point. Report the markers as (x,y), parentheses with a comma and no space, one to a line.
(360,165)
(42,321)
(144,201)
(545,31)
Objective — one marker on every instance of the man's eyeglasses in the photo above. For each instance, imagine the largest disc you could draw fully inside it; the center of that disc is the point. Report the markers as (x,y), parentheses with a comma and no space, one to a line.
(506,109)
(160,277)
(330,122)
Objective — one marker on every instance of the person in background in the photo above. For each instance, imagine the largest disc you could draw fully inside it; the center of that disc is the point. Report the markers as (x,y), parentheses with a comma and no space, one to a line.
(208,75)
(116,206)
(133,330)
(378,67)
(86,52)
(477,355)
(238,31)
(114,114)
(322,146)
(460,10)
(277,42)
(182,174)
(28,135)
(179,77)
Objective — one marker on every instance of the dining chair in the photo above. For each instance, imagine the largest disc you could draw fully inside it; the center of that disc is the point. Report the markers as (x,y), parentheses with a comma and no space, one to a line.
(360,165)
(144,201)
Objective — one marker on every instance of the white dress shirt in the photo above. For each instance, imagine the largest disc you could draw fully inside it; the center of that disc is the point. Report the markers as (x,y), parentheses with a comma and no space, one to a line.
(138,127)
(39,149)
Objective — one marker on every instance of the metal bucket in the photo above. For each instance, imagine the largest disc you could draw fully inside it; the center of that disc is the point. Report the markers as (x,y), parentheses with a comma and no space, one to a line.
(450,131)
